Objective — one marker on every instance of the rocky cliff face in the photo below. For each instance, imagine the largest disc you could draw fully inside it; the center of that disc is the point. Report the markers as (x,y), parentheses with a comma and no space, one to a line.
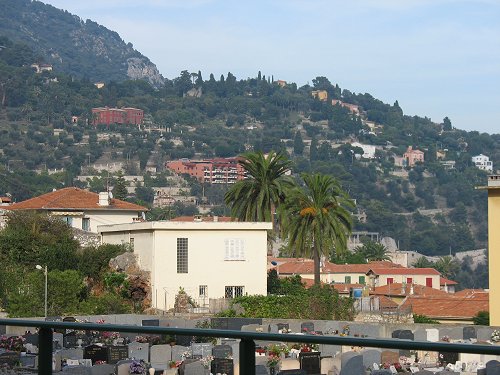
(142,68)
(73,46)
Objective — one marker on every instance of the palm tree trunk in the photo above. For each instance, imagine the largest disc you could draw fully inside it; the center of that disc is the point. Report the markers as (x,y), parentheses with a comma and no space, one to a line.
(316,265)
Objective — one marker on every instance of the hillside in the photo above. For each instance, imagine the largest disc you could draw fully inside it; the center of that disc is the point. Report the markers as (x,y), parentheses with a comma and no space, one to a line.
(83,49)
(432,208)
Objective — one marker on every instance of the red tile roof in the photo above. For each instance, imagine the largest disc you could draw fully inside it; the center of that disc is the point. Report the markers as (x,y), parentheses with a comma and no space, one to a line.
(396,289)
(305,267)
(205,219)
(72,198)
(444,281)
(405,271)
(471,292)
(448,306)
(359,268)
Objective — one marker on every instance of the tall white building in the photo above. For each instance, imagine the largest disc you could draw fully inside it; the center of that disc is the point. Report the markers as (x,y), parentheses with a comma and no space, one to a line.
(208,259)
(483,162)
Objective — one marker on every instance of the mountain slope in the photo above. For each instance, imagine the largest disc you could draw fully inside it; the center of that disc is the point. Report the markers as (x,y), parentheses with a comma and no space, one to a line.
(83,49)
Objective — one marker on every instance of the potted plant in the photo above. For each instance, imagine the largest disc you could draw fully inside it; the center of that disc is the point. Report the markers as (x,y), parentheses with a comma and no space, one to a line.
(172,364)
(273,362)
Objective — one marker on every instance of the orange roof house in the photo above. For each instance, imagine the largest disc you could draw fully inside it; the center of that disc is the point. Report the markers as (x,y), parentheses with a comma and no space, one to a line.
(83,209)
(449,308)
(411,157)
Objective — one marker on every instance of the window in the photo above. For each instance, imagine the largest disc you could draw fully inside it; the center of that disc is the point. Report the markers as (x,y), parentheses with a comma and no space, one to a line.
(234,249)
(390,280)
(428,282)
(86,224)
(234,291)
(348,279)
(68,220)
(409,280)
(361,279)
(182,255)
(132,243)
(203,290)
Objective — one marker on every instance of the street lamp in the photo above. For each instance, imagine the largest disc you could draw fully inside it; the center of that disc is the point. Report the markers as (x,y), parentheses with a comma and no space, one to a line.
(39,267)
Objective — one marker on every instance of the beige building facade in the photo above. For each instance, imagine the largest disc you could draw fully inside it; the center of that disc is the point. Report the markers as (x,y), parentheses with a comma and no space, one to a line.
(494,248)
(206,259)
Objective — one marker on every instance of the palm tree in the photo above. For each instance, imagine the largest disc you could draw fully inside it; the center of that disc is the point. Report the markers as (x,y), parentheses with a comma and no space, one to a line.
(422,262)
(315,220)
(448,266)
(373,251)
(257,197)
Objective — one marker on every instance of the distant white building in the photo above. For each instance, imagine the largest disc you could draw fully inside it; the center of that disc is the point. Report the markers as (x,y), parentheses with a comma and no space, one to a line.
(368,150)
(207,257)
(483,162)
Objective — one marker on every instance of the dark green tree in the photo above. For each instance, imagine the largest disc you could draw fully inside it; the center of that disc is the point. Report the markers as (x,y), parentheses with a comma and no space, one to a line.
(298,144)
(120,187)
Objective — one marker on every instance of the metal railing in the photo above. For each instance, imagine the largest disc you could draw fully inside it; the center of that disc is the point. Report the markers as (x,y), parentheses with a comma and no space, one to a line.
(247,343)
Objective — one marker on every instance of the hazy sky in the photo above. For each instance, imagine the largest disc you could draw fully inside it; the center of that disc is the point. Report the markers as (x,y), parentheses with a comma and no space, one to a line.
(436,57)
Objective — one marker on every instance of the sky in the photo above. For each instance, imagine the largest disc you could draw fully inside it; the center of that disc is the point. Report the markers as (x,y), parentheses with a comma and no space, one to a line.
(436,57)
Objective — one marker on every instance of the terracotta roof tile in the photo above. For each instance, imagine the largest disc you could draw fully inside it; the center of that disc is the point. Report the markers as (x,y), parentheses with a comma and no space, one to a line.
(396,289)
(72,198)
(444,281)
(405,271)
(470,292)
(290,268)
(447,306)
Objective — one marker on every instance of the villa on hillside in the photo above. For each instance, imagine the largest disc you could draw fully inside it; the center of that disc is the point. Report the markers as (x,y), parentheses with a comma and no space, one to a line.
(483,162)
(82,209)
(411,157)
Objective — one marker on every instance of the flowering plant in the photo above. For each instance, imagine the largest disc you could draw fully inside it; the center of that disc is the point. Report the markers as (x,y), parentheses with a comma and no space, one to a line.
(109,337)
(186,354)
(277,349)
(137,367)
(273,361)
(205,361)
(309,347)
(14,343)
(495,336)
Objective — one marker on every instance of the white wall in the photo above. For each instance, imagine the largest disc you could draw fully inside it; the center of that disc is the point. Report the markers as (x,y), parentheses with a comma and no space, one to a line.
(155,243)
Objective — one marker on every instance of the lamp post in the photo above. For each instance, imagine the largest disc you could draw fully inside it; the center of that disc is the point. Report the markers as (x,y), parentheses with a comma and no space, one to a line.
(39,267)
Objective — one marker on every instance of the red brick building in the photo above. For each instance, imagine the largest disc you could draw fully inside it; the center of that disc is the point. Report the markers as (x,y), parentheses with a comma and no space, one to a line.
(107,116)
(213,171)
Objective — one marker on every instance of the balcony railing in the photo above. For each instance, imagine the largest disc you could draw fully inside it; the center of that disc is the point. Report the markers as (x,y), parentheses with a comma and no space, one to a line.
(247,343)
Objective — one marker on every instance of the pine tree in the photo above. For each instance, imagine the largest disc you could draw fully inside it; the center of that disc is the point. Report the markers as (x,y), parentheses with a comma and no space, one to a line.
(120,187)
(298,144)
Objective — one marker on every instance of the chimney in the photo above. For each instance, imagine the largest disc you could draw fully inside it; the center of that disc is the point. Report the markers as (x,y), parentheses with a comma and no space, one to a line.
(411,289)
(216,219)
(103,198)
(197,218)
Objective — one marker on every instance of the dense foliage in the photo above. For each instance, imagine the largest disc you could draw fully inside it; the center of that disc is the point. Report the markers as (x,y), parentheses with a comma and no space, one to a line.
(74,273)
(428,208)
(294,301)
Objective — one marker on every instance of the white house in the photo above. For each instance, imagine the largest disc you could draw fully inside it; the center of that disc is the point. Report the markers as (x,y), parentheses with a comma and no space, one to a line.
(368,150)
(208,258)
(483,162)
(83,209)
